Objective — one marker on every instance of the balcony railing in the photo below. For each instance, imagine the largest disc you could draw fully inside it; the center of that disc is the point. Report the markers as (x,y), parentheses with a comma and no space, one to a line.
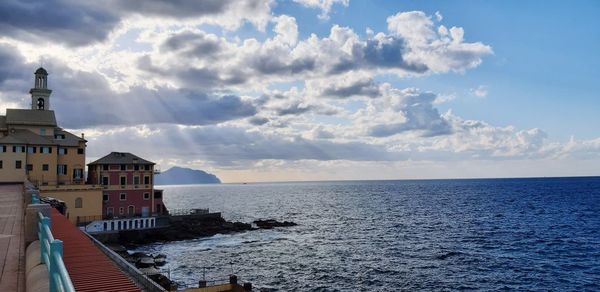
(51,251)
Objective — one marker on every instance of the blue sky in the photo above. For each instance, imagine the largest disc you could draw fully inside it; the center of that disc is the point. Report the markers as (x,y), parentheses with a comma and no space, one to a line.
(319,89)
(544,68)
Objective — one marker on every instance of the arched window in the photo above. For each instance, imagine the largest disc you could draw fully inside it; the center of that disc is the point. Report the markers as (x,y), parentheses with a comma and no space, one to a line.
(40,103)
(79,203)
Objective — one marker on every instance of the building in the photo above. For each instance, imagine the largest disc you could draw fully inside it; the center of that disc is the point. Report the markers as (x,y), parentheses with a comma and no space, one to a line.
(128,186)
(33,147)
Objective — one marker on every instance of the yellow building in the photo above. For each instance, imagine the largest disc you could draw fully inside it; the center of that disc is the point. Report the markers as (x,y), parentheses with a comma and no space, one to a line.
(34,147)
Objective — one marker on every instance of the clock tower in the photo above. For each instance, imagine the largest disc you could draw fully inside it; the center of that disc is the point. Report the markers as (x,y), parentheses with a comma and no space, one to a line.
(40,94)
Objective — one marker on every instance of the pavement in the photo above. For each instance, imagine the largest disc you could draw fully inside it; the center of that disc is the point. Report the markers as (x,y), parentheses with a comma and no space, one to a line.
(12,250)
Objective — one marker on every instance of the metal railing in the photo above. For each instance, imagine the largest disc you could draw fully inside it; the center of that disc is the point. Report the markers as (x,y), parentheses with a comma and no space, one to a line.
(51,251)
(185,212)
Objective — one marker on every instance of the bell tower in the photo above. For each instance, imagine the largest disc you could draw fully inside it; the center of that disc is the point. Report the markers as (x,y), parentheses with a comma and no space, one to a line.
(40,94)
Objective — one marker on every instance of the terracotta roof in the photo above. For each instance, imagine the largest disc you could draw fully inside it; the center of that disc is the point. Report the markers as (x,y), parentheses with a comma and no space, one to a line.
(90,269)
(121,158)
(30,117)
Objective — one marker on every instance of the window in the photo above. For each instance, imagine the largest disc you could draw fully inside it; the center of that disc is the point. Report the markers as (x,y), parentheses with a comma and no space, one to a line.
(3,148)
(105,180)
(43,131)
(158,194)
(105,167)
(29,167)
(18,164)
(61,169)
(121,211)
(123,197)
(1,164)
(136,167)
(59,136)
(123,180)
(146,167)
(123,167)
(77,173)
(105,197)
(79,203)
(80,151)
(18,149)
(62,151)
(146,180)
(44,167)
(31,149)
(146,196)
(136,180)
(109,211)
(45,150)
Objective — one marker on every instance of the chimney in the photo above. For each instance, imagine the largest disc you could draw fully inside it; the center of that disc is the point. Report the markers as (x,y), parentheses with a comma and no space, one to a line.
(82,136)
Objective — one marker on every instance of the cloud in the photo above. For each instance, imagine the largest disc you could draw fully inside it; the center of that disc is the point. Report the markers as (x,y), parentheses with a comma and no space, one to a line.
(323,5)
(79,23)
(226,145)
(71,22)
(480,91)
(410,48)
(139,105)
(409,110)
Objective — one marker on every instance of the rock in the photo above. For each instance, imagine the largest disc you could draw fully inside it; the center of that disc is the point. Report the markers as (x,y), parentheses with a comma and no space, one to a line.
(145,262)
(270,223)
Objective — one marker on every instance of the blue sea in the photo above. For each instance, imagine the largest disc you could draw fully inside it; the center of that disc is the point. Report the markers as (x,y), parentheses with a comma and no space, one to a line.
(537,234)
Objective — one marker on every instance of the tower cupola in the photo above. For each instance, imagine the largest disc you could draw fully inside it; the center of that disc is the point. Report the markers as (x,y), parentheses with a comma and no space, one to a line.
(40,94)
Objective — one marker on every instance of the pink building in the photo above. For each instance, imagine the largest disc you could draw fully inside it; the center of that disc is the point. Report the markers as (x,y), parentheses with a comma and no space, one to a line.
(128,186)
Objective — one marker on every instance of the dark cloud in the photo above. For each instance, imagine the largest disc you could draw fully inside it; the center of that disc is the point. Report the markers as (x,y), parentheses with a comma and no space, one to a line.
(272,64)
(192,44)
(12,65)
(63,21)
(365,87)
(198,78)
(172,8)
(294,109)
(78,23)
(84,99)
(258,121)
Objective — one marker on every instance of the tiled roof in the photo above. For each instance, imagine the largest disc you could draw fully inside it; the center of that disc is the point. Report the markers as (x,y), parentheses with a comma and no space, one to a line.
(21,136)
(90,269)
(121,158)
(30,117)
(69,140)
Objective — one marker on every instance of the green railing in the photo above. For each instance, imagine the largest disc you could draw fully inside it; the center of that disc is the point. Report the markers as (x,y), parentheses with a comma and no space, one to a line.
(51,251)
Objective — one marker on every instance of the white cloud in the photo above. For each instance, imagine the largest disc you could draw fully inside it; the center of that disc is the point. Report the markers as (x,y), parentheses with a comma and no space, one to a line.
(480,91)
(323,5)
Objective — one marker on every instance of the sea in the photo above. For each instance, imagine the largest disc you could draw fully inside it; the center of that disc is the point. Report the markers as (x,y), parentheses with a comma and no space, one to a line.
(530,234)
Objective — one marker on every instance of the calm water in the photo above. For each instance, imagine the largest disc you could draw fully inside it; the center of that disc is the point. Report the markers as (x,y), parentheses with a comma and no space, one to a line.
(501,234)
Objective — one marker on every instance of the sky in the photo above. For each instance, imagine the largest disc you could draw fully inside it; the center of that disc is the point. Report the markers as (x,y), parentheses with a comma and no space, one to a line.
(258,90)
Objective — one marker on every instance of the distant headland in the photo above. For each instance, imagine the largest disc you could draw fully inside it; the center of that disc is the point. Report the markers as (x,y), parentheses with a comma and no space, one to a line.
(185,176)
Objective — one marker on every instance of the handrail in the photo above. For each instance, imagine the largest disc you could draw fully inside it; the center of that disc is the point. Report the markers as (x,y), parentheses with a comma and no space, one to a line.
(35,198)
(51,251)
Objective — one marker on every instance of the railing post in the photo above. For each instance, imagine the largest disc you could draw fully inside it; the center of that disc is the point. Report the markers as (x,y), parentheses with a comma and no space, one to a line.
(56,249)
(44,221)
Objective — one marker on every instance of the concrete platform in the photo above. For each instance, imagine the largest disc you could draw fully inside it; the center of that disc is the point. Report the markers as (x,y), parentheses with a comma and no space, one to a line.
(12,250)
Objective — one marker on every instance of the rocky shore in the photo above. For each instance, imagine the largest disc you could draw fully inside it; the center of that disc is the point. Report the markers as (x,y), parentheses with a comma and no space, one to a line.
(179,228)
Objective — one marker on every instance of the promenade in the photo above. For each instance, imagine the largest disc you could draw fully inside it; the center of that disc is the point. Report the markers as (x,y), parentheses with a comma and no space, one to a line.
(12,259)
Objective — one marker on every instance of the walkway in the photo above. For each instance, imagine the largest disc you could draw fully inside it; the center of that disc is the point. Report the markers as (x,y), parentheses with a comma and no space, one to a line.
(89,268)
(12,251)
